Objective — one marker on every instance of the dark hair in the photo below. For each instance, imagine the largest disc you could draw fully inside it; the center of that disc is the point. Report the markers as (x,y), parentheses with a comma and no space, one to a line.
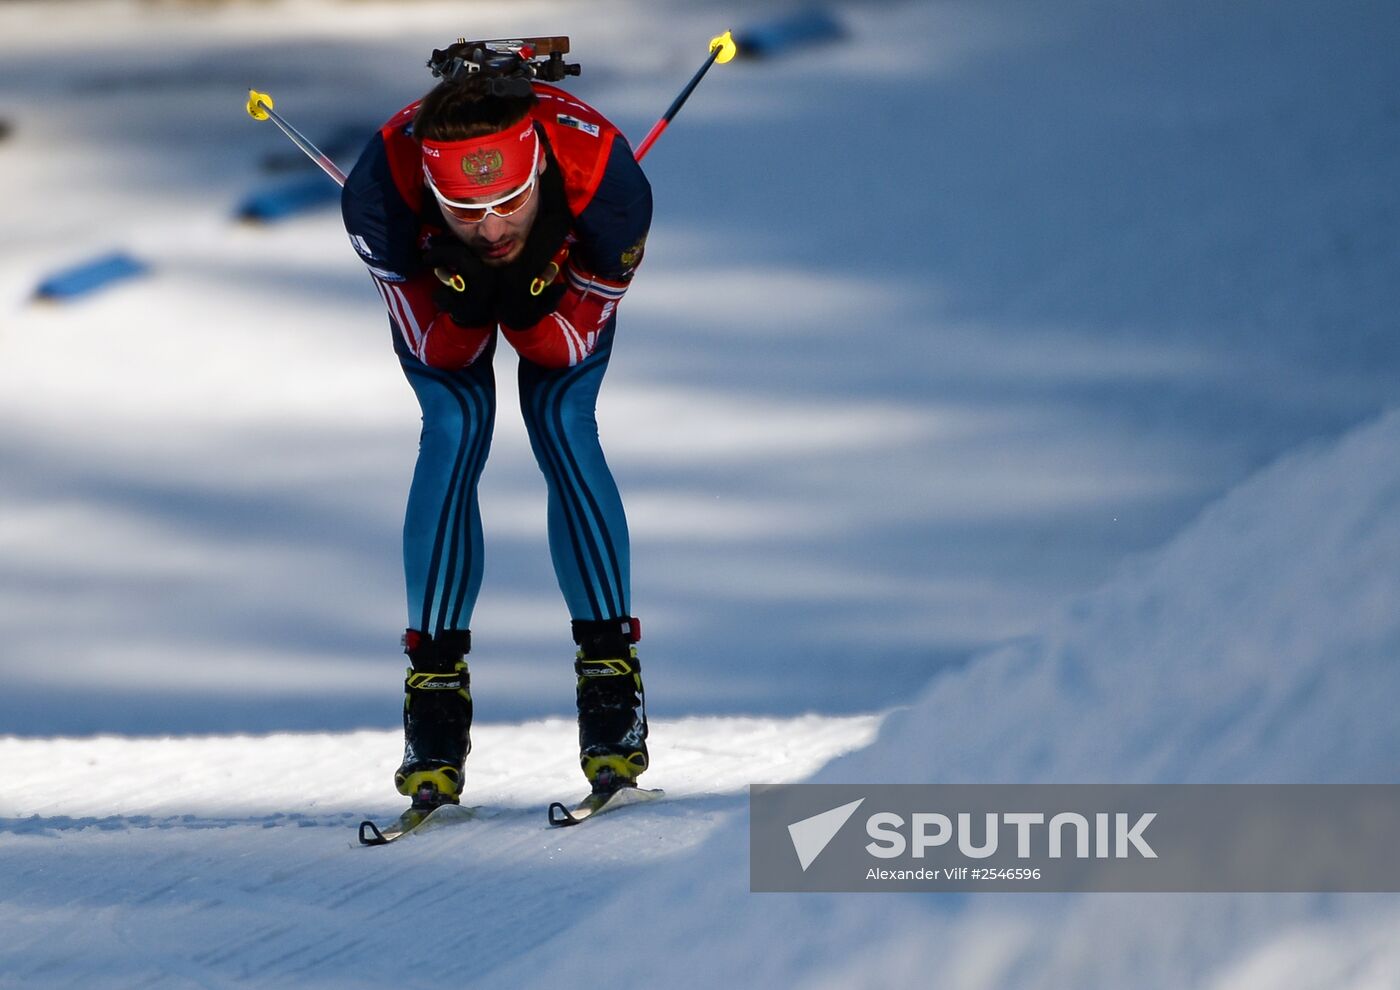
(456,111)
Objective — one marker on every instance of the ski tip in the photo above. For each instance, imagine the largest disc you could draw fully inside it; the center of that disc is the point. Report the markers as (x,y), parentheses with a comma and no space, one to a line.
(370,835)
(596,804)
(560,816)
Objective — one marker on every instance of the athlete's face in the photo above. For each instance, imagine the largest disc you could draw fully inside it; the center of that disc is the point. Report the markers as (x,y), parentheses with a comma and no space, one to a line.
(498,240)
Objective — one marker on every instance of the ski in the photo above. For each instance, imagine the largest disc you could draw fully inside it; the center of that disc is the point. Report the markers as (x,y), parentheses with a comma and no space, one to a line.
(593,805)
(413,821)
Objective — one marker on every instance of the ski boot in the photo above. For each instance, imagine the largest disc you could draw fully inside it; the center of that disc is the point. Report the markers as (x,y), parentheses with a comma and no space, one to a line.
(437,718)
(612,719)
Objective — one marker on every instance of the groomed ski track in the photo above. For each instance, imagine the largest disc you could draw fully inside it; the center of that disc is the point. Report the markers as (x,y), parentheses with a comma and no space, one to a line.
(204,862)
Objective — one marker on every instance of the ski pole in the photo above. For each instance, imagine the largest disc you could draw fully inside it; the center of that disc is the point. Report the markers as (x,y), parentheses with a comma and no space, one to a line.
(260,108)
(722,49)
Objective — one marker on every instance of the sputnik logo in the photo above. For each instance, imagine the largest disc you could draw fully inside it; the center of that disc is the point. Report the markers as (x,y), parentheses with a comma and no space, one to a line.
(812,835)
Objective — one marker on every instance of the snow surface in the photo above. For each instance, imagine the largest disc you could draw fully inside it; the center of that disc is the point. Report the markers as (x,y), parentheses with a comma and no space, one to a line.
(225,860)
(1258,646)
(1062,426)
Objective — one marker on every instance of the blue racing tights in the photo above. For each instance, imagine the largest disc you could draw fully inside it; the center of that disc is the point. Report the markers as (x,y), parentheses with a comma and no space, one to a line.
(442,533)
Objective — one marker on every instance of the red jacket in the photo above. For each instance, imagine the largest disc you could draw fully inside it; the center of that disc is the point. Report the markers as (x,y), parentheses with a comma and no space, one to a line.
(388,221)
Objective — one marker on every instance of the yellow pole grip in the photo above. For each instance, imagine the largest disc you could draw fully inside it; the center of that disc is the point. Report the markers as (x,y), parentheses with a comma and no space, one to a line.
(726,46)
(256,103)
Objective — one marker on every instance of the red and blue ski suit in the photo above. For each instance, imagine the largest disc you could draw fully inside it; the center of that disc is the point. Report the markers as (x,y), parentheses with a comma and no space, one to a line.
(389,216)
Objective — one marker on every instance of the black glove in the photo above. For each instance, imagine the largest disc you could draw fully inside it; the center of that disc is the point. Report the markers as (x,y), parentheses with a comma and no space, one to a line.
(517,305)
(468,288)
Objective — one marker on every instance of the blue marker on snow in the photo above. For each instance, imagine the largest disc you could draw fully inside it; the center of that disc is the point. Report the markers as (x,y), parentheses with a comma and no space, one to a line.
(89,276)
(288,198)
(780,35)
